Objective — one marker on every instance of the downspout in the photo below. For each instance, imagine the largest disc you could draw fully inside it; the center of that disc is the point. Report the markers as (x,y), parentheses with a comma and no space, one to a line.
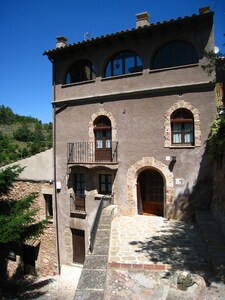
(55,187)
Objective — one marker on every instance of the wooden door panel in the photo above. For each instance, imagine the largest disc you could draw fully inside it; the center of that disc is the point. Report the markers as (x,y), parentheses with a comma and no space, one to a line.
(152,191)
(78,246)
(103,154)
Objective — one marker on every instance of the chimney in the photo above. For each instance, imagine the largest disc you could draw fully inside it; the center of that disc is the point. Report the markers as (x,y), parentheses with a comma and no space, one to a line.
(204,9)
(60,41)
(142,19)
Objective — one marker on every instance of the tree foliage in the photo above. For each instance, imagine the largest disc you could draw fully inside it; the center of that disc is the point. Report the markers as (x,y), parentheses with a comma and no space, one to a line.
(18,223)
(215,63)
(7,177)
(21,136)
(6,115)
(17,217)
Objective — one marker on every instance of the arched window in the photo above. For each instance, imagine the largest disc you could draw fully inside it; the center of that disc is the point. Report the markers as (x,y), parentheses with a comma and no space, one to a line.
(103,139)
(182,127)
(177,53)
(125,62)
(81,70)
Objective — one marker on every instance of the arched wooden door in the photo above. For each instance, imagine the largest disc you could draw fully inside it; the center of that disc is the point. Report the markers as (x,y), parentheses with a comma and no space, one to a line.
(151,193)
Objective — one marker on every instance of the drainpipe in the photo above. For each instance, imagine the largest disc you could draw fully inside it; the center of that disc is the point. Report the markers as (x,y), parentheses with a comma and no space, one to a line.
(55,187)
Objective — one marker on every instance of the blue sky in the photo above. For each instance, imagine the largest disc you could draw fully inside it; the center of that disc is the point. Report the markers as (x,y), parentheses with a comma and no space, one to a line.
(29,27)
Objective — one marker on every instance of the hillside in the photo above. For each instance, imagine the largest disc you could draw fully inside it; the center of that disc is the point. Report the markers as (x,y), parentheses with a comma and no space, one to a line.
(21,136)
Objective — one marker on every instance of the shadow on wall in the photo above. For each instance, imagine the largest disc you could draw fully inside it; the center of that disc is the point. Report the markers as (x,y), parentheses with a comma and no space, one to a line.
(197,198)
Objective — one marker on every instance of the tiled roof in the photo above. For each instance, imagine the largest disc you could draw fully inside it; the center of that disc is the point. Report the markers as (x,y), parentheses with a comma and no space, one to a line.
(122,32)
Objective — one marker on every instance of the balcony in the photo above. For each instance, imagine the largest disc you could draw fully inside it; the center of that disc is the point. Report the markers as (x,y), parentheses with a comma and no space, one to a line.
(77,206)
(87,153)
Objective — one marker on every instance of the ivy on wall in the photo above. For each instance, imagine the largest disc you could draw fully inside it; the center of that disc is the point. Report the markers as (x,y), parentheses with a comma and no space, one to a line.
(216,141)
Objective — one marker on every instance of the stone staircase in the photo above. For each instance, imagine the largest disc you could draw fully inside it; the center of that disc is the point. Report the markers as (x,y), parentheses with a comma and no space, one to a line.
(214,240)
(93,276)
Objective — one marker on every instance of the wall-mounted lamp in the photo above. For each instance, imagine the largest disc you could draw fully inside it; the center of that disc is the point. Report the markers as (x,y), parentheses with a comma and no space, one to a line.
(173,158)
(222,113)
(58,186)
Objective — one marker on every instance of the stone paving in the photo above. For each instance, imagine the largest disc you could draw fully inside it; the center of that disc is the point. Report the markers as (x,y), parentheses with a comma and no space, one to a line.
(147,255)
(142,257)
(155,241)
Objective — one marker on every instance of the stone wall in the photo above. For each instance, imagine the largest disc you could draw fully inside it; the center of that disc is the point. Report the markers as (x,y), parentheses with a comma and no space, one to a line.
(45,263)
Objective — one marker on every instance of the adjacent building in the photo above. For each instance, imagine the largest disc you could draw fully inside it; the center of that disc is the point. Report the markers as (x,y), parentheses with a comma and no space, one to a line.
(36,256)
(132,113)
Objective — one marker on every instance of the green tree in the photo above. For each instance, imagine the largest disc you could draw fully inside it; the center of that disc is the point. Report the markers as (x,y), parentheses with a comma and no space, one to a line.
(215,62)
(18,221)
(6,115)
(22,134)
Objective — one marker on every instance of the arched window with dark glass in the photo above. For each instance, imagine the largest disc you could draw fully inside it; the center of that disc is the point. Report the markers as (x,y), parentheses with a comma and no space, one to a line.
(177,53)
(125,62)
(82,70)
(182,127)
(103,139)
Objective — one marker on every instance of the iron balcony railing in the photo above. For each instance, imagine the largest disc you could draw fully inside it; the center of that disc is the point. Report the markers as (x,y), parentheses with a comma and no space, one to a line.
(85,152)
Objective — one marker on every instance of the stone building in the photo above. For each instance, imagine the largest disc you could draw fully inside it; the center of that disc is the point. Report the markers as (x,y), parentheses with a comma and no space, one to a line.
(132,113)
(38,255)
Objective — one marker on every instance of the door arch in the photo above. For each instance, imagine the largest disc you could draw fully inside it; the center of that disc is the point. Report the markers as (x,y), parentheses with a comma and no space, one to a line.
(150,192)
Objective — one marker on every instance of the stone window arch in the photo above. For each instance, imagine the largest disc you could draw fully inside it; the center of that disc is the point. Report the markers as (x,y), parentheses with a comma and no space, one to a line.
(94,117)
(167,123)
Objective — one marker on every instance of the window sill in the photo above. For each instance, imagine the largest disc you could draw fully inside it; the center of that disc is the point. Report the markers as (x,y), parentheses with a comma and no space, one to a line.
(181,147)
(78,214)
(77,83)
(103,196)
(174,68)
(121,76)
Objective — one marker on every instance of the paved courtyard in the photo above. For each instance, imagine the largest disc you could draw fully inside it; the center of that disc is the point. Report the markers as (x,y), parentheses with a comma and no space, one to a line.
(150,240)
(147,254)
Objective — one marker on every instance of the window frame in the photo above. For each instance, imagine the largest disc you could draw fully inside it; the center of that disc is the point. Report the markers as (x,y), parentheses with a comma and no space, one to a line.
(171,51)
(79,181)
(77,70)
(103,138)
(123,56)
(106,182)
(188,118)
(48,206)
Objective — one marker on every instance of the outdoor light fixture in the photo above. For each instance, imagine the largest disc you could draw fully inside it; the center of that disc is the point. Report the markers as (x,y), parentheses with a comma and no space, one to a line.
(173,158)
(58,186)
(222,112)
